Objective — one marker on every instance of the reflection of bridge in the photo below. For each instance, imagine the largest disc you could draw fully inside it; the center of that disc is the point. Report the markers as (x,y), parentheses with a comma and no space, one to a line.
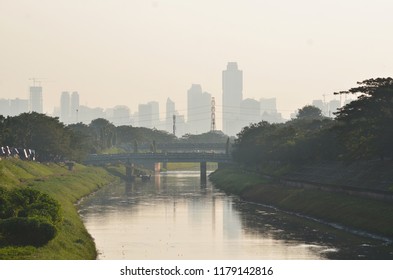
(142,158)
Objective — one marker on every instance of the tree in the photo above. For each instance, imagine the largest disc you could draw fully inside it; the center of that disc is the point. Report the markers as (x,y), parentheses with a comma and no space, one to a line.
(46,135)
(103,133)
(309,112)
(2,130)
(366,124)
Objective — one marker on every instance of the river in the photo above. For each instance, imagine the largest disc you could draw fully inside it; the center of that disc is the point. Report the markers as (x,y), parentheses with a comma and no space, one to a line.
(173,217)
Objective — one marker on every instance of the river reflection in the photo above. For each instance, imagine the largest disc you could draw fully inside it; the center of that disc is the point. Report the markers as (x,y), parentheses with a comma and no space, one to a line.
(173,217)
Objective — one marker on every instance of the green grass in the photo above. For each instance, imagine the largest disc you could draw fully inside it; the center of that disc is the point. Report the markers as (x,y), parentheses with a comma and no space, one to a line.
(193,166)
(67,187)
(370,215)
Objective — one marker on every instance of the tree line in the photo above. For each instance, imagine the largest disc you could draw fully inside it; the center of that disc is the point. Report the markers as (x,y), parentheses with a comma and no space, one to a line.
(361,130)
(54,141)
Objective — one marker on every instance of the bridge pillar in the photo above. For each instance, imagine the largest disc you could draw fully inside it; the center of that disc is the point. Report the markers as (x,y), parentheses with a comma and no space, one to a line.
(157,167)
(203,169)
(130,172)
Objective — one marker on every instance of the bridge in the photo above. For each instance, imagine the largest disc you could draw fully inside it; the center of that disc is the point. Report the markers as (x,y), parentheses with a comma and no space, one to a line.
(129,159)
(180,147)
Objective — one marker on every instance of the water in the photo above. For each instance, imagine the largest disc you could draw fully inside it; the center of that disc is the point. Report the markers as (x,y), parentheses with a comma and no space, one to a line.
(173,217)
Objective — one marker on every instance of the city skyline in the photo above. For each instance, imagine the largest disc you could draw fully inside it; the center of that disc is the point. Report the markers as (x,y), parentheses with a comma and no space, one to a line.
(240,112)
(132,52)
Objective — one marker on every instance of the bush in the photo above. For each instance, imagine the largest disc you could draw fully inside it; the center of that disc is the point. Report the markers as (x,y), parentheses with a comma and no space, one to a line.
(6,210)
(28,202)
(27,231)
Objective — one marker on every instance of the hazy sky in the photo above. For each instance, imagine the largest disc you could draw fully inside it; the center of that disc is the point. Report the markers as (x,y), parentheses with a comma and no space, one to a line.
(133,51)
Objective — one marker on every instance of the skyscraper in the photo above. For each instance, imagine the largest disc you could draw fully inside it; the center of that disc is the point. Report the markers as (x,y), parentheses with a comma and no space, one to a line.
(144,115)
(269,111)
(4,107)
(250,112)
(148,115)
(170,111)
(18,106)
(198,110)
(155,114)
(35,101)
(74,110)
(232,96)
(121,115)
(65,107)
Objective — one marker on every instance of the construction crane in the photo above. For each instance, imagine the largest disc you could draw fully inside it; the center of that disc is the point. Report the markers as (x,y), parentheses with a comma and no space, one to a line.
(36,81)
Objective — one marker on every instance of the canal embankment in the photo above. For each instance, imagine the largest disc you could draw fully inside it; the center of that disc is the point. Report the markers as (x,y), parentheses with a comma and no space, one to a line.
(357,212)
(67,187)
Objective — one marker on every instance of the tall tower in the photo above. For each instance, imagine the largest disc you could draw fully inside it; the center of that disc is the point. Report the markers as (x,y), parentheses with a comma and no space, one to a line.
(170,112)
(232,96)
(198,110)
(155,114)
(65,107)
(74,110)
(35,100)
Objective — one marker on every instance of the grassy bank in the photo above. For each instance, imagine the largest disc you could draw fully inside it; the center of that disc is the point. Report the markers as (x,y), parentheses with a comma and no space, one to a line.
(187,166)
(67,187)
(359,213)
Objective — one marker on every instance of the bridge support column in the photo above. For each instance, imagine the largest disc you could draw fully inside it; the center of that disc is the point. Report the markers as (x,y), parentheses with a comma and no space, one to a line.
(130,172)
(203,169)
(157,167)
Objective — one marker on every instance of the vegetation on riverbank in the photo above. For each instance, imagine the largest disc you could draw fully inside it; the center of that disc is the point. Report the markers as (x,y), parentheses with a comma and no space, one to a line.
(353,150)
(66,187)
(369,215)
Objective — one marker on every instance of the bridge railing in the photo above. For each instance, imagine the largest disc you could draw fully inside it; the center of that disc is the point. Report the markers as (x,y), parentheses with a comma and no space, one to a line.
(159,157)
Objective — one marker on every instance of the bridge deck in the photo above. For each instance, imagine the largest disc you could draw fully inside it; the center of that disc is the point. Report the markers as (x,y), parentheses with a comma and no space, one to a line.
(158,157)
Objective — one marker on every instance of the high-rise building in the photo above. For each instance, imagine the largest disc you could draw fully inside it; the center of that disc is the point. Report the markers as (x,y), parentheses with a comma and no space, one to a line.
(4,107)
(198,110)
(18,106)
(268,105)
(86,114)
(121,115)
(333,107)
(35,101)
(74,109)
(250,112)
(322,106)
(65,107)
(155,114)
(148,115)
(170,112)
(269,110)
(232,96)
(144,115)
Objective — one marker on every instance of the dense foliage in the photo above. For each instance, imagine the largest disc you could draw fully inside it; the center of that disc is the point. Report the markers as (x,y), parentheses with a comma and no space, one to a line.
(362,129)
(27,217)
(365,125)
(53,141)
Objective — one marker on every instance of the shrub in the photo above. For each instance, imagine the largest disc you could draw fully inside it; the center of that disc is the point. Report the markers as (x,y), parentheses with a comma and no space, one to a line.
(5,204)
(27,231)
(28,202)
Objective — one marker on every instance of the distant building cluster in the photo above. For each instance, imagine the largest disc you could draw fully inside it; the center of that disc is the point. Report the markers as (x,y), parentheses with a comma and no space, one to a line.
(15,107)
(238,112)
(200,116)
